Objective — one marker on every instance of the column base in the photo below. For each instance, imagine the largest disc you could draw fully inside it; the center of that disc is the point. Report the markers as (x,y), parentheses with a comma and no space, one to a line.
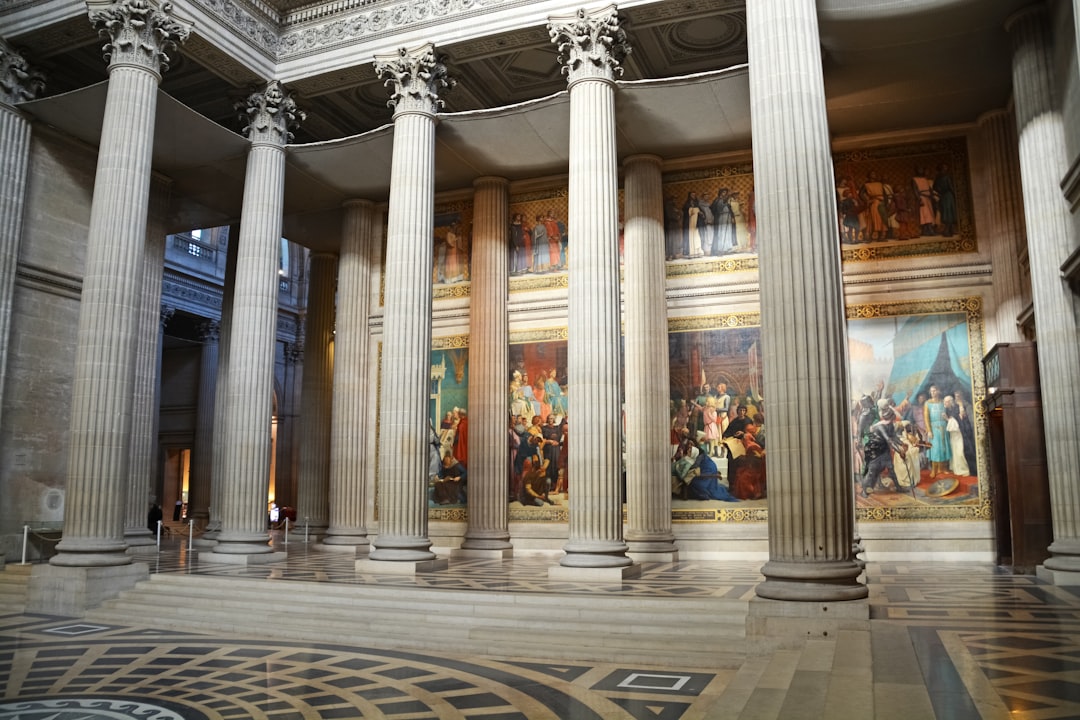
(773,624)
(593,574)
(826,581)
(143,550)
(650,556)
(351,549)
(242,559)
(204,542)
(72,590)
(400,567)
(481,554)
(1063,578)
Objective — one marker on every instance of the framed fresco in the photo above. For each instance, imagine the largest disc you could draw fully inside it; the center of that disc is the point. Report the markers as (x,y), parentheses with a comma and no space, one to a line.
(538,408)
(710,224)
(538,240)
(448,402)
(918,436)
(452,251)
(904,201)
(717,418)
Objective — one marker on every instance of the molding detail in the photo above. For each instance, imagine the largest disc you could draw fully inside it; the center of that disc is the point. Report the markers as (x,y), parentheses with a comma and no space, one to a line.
(50,281)
(592,45)
(415,78)
(139,34)
(18,81)
(270,115)
(260,29)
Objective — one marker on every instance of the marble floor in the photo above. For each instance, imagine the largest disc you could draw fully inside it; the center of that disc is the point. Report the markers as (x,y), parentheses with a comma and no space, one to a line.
(947,641)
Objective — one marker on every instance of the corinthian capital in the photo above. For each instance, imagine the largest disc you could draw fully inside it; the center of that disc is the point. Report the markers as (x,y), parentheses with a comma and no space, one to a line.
(18,81)
(139,33)
(591,45)
(270,115)
(415,78)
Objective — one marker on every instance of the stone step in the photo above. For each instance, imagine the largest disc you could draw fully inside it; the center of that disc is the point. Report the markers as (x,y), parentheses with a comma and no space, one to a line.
(655,630)
(13,587)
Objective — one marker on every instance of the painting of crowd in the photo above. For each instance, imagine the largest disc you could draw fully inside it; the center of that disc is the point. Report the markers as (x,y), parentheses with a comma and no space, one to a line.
(538,433)
(718,437)
(710,217)
(903,193)
(538,236)
(913,429)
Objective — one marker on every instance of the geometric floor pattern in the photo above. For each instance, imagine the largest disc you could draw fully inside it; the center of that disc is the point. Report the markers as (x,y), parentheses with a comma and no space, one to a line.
(946,640)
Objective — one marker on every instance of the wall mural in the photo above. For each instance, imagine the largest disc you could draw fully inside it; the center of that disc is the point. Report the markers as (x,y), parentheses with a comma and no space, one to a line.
(904,200)
(710,224)
(717,418)
(452,256)
(918,437)
(448,415)
(539,240)
(539,404)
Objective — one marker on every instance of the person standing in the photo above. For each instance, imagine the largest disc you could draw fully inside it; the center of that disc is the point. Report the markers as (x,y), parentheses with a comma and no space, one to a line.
(936,421)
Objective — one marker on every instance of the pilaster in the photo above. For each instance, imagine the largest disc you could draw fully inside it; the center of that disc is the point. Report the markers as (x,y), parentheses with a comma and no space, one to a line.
(489,462)
(202,461)
(591,47)
(648,447)
(811,493)
(1043,164)
(18,82)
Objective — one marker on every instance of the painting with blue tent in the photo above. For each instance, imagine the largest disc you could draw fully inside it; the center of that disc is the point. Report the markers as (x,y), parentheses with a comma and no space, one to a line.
(916,432)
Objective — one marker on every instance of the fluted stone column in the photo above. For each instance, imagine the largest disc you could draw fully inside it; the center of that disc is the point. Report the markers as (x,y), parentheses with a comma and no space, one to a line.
(351,398)
(416,78)
(104,380)
(218,450)
(591,49)
(142,469)
(1043,163)
(488,533)
(1006,209)
(21,83)
(313,481)
(202,461)
(648,445)
(802,312)
(243,538)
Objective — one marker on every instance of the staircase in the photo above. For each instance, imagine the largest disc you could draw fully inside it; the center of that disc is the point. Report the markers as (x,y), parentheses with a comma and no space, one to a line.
(13,582)
(687,632)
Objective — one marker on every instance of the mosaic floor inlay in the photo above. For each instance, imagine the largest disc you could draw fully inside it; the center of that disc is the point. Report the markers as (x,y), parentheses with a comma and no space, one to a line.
(949,641)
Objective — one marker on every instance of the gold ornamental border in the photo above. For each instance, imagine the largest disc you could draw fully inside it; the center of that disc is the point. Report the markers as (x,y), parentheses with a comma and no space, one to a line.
(715,322)
(972,308)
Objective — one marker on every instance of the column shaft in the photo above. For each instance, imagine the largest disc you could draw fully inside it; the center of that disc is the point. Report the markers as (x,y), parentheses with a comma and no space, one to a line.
(648,452)
(406,356)
(202,461)
(250,386)
(348,429)
(1043,156)
(313,483)
(802,312)
(489,459)
(142,470)
(104,380)
(594,462)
